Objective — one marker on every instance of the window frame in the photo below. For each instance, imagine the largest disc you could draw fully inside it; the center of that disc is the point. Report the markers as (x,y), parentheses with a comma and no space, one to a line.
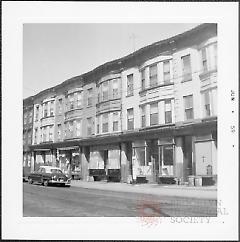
(153,77)
(186,109)
(130,121)
(130,85)
(154,114)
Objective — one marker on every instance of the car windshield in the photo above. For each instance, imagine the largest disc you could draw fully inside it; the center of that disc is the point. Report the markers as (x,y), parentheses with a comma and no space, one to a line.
(56,171)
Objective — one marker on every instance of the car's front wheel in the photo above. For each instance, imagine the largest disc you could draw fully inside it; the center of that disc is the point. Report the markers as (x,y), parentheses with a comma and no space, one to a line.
(45,183)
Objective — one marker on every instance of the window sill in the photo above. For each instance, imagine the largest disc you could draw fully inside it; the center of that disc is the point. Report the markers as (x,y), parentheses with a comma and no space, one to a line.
(130,95)
(207,73)
(186,80)
(153,87)
(71,110)
(109,100)
(52,116)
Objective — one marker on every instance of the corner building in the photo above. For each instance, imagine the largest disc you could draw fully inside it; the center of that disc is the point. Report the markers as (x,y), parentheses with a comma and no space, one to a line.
(148,117)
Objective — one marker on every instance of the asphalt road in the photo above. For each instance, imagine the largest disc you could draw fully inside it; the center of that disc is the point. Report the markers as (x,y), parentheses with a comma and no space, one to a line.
(40,201)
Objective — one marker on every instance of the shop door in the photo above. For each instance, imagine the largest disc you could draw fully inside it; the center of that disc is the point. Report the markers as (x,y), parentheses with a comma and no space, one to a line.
(203,158)
(166,154)
(153,149)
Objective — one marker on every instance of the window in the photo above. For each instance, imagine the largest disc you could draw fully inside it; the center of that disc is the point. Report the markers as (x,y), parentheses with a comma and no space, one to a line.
(166,72)
(50,133)
(29,137)
(98,124)
(115,88)
(204,59)
(45,110)
(89,126)
(99,94)
(105,89)
(130,119)
(153,78)
(207,109)
(188,104)
(35,136)
(115,121)
(167,155)
(37,113)
(60,105)
(187,70)
(143,116)
(44,130)
(153,113)
(25,118)
(71,101)
(79,99)
(140,154)
(70,128)
(59,131)
(130,85)
(78,127)
(51,108)
(143,82)
(105,123)
(30,117)
(215,55)
(168,112)
(89,97)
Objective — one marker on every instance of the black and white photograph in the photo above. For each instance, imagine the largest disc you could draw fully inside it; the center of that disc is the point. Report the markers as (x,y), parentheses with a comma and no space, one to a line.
(122,123)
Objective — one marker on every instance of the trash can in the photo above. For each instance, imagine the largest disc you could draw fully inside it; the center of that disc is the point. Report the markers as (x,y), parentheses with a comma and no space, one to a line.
(191,181)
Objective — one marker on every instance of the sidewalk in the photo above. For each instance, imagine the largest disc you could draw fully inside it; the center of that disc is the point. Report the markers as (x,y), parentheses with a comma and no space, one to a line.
(209,192)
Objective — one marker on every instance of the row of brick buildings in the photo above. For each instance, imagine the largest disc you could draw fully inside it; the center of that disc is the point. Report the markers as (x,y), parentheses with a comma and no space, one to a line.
(149,115)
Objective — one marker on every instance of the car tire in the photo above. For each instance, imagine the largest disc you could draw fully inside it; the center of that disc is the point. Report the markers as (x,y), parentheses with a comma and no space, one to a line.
(30,181)
(45,183)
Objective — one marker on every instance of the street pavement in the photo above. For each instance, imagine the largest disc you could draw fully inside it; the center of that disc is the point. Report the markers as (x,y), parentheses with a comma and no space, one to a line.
(205,192)
(76,201)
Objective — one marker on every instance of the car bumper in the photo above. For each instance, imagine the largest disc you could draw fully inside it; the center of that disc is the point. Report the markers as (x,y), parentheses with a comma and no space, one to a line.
(66,183)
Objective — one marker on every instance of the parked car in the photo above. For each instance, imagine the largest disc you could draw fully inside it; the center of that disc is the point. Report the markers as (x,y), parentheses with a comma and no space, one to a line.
(26,172)
(46,175)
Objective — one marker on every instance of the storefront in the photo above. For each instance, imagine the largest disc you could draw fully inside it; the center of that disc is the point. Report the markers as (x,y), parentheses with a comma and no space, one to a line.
(69,161)
(105,162)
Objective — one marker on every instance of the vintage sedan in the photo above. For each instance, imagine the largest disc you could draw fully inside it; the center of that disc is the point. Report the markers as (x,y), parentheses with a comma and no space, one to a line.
(46,175)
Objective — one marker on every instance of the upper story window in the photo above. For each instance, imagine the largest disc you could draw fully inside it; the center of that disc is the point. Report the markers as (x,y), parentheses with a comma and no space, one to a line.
(29,137)
(143,116)
(35,135)
(30,117)
(98,124)
(215,54)
(25,118)
(115,121)
(143,80)
(130,85)
(168,111)
(60,105)
(45,110)
(188,106)
(44,134)
(89,126)
(51,133)
(89,97)
(36,113)
(153,77)
(105,91)
(186,68)
(51,108)
(70,128)
(207,106)
(78,127)
(105,123)
(71,101)
(115,88)
(130,119)
(79,99)
(153,113)
(204,59)
(59,131)
(166,72)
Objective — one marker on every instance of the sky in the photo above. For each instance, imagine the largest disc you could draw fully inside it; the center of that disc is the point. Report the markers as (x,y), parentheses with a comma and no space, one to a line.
(53,53)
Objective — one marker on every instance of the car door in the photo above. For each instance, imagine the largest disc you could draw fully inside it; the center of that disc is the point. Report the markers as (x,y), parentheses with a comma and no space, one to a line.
(35,176)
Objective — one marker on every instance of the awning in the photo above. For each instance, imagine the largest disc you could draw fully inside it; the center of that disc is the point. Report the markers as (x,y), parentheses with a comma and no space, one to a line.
(69,148)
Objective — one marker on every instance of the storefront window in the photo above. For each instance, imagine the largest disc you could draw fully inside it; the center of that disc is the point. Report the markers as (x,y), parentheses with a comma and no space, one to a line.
(167,155)
(140,155)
